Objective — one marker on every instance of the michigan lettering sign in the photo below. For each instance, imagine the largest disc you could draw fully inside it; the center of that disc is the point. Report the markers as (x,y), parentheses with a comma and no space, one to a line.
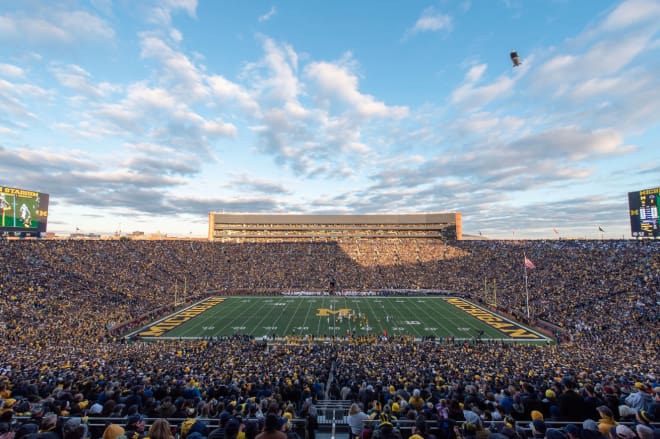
(178,319)
(505,326)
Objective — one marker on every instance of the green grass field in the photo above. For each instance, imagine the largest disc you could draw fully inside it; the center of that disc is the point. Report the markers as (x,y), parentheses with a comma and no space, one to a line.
(327,316)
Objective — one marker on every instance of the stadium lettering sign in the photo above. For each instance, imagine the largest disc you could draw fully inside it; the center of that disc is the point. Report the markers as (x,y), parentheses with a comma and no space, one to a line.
(507,327)
(19,192)
(650,191)
(326,312)
(160,328)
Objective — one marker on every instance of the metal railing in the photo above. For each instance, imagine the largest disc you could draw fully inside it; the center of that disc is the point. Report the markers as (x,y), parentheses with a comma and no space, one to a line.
(299,424)
(331,416)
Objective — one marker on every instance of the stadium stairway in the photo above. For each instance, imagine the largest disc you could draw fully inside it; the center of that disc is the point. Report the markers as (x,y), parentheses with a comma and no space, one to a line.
(332,417)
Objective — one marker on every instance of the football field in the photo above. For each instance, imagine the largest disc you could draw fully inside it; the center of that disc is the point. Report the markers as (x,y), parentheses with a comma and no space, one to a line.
(336,316)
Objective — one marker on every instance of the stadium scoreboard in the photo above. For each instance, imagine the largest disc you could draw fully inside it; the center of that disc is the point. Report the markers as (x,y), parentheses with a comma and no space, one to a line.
(644,220)
(23,211)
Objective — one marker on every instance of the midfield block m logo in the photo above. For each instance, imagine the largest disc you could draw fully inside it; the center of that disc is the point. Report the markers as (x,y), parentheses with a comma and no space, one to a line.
(326,312)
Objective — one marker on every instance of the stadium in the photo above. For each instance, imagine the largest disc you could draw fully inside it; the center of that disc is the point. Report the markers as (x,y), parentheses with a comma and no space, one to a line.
(329,219)
(302,316)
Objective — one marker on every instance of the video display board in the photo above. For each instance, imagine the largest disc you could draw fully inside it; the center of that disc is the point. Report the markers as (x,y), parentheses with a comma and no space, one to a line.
(644,220)
(23,210)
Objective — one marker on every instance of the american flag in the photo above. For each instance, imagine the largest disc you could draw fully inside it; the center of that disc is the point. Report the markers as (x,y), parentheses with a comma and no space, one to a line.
(529,264)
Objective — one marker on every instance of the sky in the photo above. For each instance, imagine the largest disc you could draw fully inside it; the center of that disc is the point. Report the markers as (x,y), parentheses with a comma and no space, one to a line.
(147,115)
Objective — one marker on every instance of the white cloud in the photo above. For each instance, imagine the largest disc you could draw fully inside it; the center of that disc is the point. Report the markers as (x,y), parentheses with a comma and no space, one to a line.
(268,15)
(489,124)
(34,30)
(322,120)
(162,12)
(600,87)
(248,183)
(55,27)
(157,113)
(121,116)
(87,130)
(10,70)
(225,90)
(432,21)
(49,160)
(341,134)
(336,82)
(167,164)
(141,96)
(280,82)
(186,79)
(85,24)
(632,12)
(611,56)
(158,108)
(130,177)
(556,66)
(76,78)
(176,35)
(13,98)
(609,47)
(607,72)
(571,142)
(469,94)
(190,6)
(475,73)
(218,128)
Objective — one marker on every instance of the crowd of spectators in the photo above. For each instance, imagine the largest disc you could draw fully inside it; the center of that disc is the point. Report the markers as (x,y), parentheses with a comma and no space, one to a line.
(60,300)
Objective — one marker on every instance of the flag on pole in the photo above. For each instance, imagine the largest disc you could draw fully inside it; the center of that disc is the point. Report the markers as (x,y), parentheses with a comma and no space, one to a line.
(528,263)
(556,231)
(600,229)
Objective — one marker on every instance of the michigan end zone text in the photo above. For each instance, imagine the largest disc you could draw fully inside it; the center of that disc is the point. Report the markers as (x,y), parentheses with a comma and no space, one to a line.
(178,319)
(507,327)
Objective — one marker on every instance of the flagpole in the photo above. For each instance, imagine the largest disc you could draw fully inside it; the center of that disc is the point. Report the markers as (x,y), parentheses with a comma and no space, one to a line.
(494,293)
(526,290)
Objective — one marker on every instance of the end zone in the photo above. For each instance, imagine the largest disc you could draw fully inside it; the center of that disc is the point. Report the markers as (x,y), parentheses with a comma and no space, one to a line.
(513,330)
(166,324)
